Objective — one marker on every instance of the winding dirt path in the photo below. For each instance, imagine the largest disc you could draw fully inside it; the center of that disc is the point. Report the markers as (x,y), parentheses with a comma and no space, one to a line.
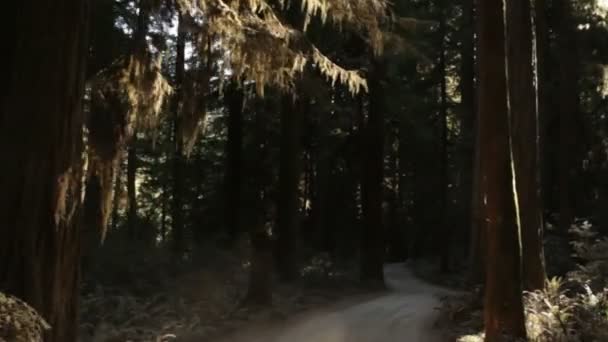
(404,314)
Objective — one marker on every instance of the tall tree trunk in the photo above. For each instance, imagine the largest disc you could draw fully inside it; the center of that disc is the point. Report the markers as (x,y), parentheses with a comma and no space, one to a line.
(396,240)
(177,210)
(260,274)
(234,157)
(524,140)
(477,249)
(321,180)
(444,230)
(541,29)
(289,179)
(503,309)
(568,107)
(132,197)
(405,188)
(469,190)
(373,239)
(41,124)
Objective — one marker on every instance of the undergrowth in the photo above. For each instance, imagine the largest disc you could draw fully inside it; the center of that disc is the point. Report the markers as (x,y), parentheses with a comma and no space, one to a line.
(571,308)
(136,293)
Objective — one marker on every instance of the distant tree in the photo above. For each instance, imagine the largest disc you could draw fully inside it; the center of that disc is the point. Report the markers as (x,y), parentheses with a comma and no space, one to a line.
(445,230)
(234,99)
(41,122)
(131,190)
(263,213)
(373,236)
(177,209)
(566,46)
(290,169)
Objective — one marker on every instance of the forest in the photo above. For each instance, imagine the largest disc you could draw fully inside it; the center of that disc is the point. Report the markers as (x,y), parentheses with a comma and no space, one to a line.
(304,170)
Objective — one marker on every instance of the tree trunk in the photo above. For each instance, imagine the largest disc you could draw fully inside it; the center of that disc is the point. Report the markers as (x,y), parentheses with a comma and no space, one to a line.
(132,197)
(260,275)
(234,157)
(177,210)
(397,251)
(469,189)
(41,124)
(321,180)
(444,230)
(524,140)
(117,194)
(544,102)
(289,179)
(373,239)
(568,107)
(503,309)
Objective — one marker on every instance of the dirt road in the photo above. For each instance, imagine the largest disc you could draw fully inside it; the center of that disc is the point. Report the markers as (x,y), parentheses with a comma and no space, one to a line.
(404,314)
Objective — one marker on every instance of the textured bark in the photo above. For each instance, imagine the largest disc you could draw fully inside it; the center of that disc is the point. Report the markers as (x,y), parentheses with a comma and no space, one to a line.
(568,107)
(289,178)
(524,140)
(132,196)
(503,309)
(373,237)
(234,157)
(177,210)
(41,121)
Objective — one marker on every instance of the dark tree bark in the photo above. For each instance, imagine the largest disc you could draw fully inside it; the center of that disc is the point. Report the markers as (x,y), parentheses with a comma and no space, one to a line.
(503,309)
(541,28)
(444,228)
(289,194)
(41,122)
(177,210)
(469,192)
(524,140)
(117,194)
(234,157)
(321,184)
(373,237)
(568,107)
(397,251)
(260,275)
(131,193)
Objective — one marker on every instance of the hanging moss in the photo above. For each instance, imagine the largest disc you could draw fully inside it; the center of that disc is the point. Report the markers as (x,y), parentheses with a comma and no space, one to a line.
(125,98)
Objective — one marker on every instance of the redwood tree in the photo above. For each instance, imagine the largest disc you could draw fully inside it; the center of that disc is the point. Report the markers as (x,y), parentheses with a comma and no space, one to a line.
(41,122)
(503,311)
(524,137)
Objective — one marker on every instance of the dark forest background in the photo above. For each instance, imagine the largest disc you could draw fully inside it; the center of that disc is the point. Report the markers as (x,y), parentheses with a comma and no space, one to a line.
(244,151)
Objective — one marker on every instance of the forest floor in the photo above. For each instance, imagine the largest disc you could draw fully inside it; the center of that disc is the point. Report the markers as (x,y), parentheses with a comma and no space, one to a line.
(146,301)
(407,312)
